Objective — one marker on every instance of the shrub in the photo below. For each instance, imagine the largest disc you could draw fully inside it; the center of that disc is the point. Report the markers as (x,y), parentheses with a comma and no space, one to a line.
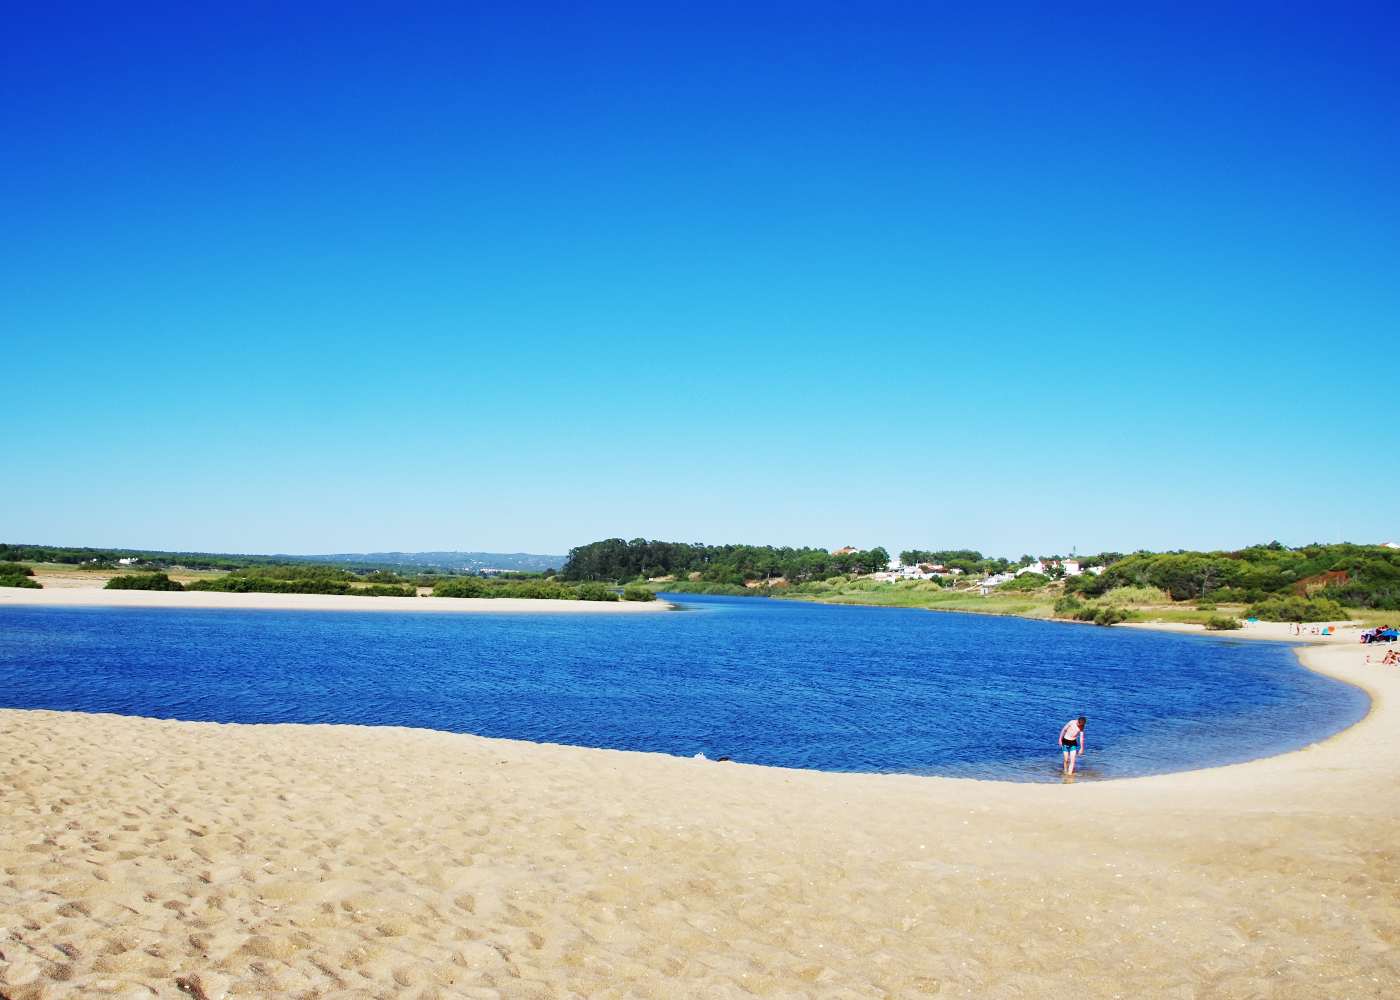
(715,589)
(1068,605)
(1137,595)
(234,584)
(143,581)
(224,585)
(1382,597)
(1026,581)
(536,590)
(1298,609)
(15,569)
(383,576)
(385,590)
(1222,623)
(467,586)
(637,594)
(1206,606)
(594,592)
(17,580)
(1110,616)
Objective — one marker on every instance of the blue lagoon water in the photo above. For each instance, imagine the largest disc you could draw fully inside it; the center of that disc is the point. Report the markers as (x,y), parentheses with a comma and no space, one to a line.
(760,681)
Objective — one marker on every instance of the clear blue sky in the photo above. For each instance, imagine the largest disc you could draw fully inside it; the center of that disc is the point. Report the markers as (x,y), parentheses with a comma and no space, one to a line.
(1107,276)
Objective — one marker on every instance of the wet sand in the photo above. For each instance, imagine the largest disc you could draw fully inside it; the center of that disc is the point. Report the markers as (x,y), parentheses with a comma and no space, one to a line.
(146,858)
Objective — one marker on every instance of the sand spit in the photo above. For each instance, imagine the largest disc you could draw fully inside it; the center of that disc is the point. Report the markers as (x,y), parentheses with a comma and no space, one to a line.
(75,597)
(141,858)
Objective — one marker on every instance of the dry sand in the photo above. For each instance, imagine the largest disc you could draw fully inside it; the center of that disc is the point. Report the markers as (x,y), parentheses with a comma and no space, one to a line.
(95,596)
(138,855)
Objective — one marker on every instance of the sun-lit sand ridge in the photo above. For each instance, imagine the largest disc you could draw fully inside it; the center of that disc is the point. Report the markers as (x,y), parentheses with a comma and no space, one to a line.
(138,855)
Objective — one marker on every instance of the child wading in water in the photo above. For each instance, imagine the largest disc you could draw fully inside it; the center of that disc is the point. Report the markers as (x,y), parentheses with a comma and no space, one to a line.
(1072,742)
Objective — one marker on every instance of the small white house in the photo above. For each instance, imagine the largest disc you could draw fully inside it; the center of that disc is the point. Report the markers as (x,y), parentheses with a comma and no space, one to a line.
(1035,567)
(995,580)
(1071,567)
(127,561)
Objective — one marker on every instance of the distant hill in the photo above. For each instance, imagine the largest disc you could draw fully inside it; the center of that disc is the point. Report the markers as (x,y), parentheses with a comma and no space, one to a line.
(458,562)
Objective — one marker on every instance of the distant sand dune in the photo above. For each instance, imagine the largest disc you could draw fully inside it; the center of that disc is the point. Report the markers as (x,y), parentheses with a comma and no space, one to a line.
(140,855)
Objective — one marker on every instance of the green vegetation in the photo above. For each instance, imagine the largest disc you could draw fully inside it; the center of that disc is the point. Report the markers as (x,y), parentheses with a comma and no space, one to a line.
(108,557)
(920,594)
(1187,587)
(967,560)
(636,593)
(471,586)
(13,574)
(1222,623)
(1363,576)
(1025,582)
(1135,595)
(383,590)
(299,578)
(143,581)
(1067,605)
(151,559)
(616,559)
(1298,609)
(713,589)
(1103,615)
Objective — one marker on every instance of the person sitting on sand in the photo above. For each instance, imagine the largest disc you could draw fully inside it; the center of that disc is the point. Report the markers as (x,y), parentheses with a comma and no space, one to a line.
(1072,742)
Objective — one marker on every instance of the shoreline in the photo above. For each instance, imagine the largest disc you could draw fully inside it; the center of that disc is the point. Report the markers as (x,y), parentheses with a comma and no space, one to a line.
(97,597)
(137,854)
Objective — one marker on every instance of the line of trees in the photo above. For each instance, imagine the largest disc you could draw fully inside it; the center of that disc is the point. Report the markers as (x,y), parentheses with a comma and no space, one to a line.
(1363,576)
(967,560)
(617,559)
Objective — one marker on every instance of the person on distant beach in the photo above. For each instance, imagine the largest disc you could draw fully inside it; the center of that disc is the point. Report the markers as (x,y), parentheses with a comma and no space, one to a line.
(1072,742)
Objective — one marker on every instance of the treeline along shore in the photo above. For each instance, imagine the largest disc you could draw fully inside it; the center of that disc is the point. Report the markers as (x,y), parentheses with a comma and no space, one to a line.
(1273,582)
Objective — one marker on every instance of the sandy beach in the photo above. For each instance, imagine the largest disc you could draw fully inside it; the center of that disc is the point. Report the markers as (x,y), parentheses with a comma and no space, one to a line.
(96,597)
(144,858)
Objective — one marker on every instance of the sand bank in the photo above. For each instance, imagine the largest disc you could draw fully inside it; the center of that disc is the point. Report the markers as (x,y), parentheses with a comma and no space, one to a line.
(136,855)
(73,597)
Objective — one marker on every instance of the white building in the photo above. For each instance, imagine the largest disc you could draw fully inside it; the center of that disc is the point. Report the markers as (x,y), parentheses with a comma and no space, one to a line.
(995,580)
(1035,567)
(1071,567)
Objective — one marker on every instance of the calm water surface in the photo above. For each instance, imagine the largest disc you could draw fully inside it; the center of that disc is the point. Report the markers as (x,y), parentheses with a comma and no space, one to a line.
(761,681)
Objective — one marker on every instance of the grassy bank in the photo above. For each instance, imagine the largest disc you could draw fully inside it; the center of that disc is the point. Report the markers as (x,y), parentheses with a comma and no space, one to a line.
(1138,604)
